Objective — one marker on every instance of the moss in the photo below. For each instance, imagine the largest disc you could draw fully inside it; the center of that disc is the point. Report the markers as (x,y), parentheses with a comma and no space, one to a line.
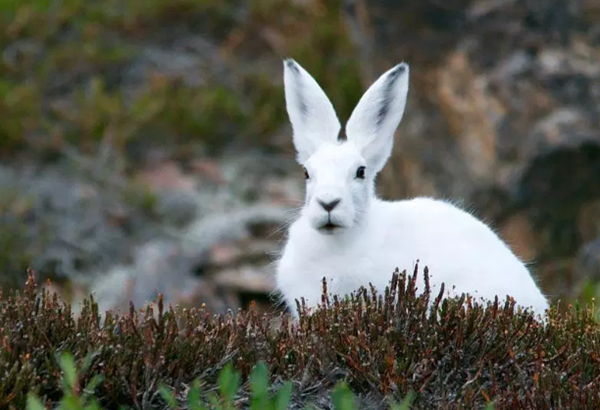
(268,108)
(19,113)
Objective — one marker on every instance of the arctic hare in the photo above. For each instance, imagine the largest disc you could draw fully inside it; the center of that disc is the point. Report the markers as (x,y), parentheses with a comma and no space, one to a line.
(352,238)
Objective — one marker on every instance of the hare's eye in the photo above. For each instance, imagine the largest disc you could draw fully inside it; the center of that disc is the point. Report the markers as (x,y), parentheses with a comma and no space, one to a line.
(360,173)
(306,176)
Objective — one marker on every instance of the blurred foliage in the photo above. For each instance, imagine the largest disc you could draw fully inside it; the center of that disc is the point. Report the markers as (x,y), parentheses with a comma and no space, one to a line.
(76,398)
(324,47)
(590,294)
(62,61)
(455,352)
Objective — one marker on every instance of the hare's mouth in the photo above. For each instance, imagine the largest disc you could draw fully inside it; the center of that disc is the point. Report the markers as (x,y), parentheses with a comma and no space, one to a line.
(329,227)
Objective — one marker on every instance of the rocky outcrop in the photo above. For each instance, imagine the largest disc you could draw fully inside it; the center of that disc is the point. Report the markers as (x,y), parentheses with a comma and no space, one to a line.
(503,112)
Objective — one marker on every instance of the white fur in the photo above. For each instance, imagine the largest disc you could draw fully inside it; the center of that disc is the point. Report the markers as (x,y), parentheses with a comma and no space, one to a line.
(373,237)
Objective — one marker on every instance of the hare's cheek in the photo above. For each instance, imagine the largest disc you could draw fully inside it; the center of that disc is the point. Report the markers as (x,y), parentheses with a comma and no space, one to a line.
(360,198)
(308,196)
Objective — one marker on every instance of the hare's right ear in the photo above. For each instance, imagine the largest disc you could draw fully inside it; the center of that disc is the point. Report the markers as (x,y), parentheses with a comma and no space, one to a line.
(312,116)
(374,120)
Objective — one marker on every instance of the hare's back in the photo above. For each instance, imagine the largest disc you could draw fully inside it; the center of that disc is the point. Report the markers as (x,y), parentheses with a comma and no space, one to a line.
(438,221)
(458,248)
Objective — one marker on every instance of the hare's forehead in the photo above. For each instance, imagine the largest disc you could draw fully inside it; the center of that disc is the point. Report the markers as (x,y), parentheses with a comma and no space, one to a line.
(336,155)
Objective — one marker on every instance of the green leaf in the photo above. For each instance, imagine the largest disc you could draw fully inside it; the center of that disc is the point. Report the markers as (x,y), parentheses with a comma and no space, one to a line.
(214,401)
(168,396)
(87,360)
(67,365)
(93,383)
(93,405)
(259,379)
(283,397)
(342,397)
(259,386)
(229,381)
(193,397)
(70,402)
(33,403)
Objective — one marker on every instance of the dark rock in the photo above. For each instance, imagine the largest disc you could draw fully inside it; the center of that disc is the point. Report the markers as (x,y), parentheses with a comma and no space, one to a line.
(588,260)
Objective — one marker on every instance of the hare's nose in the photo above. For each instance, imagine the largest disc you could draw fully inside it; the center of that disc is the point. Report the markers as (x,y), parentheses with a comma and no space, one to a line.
(328,206)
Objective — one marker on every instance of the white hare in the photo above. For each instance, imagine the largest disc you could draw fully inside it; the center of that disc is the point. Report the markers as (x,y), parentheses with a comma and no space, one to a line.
(351,237)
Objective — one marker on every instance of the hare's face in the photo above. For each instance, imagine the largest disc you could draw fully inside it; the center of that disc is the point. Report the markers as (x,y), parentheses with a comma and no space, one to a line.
(341,167)
(338,187)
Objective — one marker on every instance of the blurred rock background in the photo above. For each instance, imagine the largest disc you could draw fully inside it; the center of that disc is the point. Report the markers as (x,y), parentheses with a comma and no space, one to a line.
(144,145)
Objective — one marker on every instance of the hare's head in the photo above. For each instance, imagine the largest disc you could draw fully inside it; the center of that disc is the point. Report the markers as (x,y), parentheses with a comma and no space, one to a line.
(340,167)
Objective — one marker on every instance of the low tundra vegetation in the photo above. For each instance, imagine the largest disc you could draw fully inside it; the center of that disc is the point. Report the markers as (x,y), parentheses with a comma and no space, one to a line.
(381,347)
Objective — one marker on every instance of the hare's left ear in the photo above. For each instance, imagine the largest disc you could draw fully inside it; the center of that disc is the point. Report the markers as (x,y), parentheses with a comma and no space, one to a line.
(312,116)
(374,120)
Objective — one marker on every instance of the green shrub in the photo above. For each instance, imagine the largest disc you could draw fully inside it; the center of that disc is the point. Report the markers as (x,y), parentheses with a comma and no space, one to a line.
(76,399)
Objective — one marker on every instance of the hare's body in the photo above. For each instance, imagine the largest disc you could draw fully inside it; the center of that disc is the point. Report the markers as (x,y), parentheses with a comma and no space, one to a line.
(458,249)
(349,236)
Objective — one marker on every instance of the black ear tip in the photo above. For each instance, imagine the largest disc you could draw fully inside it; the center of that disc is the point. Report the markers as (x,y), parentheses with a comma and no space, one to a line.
(399,69)
(290,63)
(342,135)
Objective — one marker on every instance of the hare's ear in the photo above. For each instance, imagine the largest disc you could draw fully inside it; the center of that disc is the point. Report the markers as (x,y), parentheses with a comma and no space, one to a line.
(312,116)
(374,120)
